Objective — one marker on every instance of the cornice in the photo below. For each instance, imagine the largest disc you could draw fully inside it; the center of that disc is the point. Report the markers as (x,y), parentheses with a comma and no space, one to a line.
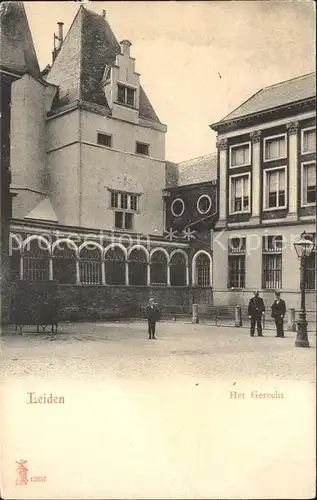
(253,118)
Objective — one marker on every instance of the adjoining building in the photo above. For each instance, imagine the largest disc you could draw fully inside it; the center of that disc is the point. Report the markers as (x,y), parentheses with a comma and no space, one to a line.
(87,159)
(267,194)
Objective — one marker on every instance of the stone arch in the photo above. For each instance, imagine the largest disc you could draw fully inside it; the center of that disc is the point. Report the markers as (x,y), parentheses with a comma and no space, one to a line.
(139,247)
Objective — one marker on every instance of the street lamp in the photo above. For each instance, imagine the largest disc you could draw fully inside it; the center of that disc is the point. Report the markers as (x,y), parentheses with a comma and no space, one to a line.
(304,248)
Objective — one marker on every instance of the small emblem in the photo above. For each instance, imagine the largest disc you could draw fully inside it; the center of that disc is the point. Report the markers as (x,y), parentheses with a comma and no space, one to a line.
(22,473)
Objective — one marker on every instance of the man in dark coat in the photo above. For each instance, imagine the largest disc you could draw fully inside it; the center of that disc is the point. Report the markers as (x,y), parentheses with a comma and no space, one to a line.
(278,313)
(153,315)
(256,310)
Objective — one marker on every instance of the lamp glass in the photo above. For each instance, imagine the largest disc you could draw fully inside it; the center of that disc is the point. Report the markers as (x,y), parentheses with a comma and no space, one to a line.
(303,246)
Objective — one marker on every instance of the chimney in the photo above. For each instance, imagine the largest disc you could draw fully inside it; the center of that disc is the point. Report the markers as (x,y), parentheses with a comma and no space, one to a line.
(125,47)
(60,33)
(59,39)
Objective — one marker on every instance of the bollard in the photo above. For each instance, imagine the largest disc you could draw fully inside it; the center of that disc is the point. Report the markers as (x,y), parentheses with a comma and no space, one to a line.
(291,325)
(237,316)
(195,318)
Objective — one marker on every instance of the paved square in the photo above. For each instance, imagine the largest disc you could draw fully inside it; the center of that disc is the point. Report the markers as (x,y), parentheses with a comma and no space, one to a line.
(202,412)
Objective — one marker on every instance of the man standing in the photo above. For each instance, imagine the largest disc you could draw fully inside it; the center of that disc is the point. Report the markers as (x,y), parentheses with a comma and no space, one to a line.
(256,310)
(278,313)
(152,314)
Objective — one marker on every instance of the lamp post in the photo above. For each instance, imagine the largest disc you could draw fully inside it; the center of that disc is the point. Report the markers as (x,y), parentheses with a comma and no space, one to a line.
(303,247)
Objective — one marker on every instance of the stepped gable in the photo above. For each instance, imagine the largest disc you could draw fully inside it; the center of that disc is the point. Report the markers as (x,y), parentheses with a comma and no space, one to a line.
(90,47)
(17,50)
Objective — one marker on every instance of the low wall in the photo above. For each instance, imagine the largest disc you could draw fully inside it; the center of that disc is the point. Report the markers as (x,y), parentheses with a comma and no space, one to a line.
(241,297)
(85,302)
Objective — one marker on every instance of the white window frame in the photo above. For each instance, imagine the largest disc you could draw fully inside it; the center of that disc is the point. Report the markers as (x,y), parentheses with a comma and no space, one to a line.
(232,212)
(303,164)
(183,209)
(235,146)
(265,185)
(277,136)
(200,198)
(302,140)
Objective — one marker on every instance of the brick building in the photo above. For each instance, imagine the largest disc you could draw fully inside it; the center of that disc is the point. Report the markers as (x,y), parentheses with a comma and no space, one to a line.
(267,194)
(89,177)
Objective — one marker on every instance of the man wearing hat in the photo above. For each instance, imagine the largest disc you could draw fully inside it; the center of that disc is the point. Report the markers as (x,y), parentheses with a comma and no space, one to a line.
(278,312)
(153,315)
(256,310)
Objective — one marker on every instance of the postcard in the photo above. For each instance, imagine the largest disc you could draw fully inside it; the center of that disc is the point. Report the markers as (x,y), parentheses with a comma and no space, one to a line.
(158,250)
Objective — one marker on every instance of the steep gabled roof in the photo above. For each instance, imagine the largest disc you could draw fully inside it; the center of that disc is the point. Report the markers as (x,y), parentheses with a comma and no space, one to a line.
(89,47)
(283,93)
(17,52)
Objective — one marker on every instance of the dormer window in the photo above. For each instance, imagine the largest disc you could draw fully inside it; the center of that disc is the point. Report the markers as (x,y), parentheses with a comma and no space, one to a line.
(126,95)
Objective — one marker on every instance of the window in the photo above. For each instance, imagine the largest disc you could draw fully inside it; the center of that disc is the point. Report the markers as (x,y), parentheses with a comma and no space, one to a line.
(133,202)
(138,267)
(142,149)
(36,262)
(272,262)
(275,188)
(240,193)
(273,243)
(236,266)
(158,269)
(15,258)
(177,207)
(309,140)
(90,266)
(115,267)
(309,183)
(236,245)
(126,95)
(123,220)
(104,139)
(236,262)
(311,271)
(310,265)
(124,201)
(64,264)
(203,270)
(204,204)
(240,155)
(114,200)
(178,270)
(275,147)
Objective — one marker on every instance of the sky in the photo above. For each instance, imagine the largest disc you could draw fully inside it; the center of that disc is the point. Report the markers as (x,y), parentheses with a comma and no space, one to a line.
(198,60)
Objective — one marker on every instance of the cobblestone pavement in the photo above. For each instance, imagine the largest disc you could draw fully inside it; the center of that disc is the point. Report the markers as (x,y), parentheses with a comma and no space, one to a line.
(123,350)
(176,417)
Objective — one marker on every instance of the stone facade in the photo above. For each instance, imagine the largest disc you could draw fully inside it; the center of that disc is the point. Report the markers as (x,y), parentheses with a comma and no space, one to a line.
(263,190)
